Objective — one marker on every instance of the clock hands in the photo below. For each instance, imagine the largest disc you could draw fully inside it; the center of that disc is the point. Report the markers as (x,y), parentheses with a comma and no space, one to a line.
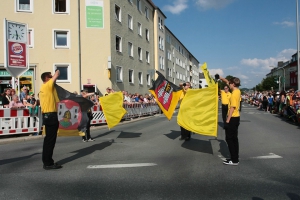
(17,36)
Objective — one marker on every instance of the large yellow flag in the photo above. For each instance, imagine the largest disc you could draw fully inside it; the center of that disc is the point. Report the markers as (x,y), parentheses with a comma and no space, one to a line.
(208,78)
(112,106)
(199,111)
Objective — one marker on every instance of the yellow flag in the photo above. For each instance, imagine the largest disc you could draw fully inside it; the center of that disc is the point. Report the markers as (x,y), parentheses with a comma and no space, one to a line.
(210,81)
(199,111)
(112,106)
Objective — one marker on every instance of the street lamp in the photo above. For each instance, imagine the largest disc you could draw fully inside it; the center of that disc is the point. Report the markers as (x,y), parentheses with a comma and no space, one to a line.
(283,78)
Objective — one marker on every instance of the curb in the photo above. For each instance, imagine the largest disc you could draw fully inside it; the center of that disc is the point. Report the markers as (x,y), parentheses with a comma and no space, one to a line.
(93,128)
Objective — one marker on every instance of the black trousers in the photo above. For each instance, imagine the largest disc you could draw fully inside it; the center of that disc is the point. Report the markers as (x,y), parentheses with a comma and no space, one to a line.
(50,121)
(232,138)
(224,112)
(185,133)
(88,131)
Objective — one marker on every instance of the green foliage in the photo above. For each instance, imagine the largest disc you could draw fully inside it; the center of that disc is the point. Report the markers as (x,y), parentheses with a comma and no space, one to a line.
(222,84)
(267,84)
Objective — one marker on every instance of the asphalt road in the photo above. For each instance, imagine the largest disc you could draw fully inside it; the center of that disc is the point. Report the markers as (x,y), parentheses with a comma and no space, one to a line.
(145,159)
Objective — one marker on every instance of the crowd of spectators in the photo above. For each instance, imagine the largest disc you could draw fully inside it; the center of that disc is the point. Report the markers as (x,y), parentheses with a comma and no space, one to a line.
(284,103)
(24,100)
(128,97)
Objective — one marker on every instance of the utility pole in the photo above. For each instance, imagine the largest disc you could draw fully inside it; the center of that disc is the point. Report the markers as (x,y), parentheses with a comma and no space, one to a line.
(298,46)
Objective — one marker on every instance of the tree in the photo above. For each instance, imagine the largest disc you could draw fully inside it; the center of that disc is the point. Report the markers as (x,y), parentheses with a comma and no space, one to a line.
(269,83)
(222,84)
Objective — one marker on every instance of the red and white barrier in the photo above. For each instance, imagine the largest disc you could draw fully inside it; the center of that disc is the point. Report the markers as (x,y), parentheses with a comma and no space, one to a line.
(18,121)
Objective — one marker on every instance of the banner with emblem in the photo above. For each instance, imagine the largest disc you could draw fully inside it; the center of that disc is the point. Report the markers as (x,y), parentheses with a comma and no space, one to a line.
(166,94)
(210,81)
(72,113)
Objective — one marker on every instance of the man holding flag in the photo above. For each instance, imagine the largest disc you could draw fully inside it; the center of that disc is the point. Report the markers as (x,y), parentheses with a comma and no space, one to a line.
(185,134)
(233,121)
(49,99)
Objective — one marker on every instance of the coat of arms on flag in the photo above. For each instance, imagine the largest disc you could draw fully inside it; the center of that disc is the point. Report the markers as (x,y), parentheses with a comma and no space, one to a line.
(71,113)
(166,94)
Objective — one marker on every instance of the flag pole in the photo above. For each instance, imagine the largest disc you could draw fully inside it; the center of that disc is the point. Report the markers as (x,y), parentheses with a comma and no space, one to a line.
(298,46)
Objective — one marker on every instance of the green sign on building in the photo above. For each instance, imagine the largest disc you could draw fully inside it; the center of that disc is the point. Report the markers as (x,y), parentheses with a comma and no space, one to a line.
(94,13)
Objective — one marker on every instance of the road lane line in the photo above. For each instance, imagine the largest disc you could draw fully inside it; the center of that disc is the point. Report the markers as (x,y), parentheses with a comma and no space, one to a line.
(121,165)
(270,156)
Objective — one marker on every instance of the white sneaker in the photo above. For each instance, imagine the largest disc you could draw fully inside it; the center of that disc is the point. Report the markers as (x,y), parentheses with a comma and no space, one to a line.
(84,140)
(229,162)
(91,140)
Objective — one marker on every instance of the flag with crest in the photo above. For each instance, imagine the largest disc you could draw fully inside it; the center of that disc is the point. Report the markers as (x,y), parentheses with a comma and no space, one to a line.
(166,94)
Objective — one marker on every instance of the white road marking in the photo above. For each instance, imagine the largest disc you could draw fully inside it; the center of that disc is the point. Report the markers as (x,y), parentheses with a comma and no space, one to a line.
(121,165)
(270,156)
(222,158)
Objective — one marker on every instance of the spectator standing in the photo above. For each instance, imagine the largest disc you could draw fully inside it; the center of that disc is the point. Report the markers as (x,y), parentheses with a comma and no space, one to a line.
(233,121)
(15,103)
(270,102)
(49,99)
(127,97)
(6,98)
(23,93)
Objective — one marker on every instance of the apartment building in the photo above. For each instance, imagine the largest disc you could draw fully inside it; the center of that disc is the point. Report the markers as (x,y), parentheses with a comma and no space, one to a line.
(94,43)
(133,53)
(181,65)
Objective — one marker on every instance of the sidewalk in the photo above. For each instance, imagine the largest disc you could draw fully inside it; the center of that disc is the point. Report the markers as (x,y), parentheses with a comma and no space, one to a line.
(39,137)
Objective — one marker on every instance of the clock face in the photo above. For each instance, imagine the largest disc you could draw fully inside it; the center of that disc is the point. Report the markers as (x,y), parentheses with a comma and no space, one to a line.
(16,32)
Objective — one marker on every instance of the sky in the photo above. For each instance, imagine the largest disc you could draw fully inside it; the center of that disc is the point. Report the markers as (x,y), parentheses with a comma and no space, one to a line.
(242,38)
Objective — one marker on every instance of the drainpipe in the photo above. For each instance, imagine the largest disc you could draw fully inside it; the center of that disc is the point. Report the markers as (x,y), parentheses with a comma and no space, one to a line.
(79,47)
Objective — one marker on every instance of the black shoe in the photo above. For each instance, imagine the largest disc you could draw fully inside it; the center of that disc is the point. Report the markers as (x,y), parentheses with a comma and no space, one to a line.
(182,138)
(54,166)
(187,138)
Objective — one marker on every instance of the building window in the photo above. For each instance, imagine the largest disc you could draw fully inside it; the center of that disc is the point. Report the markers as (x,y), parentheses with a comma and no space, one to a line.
(147,57)
(140,76)
(160,23)
(138,4)
(148,79)
(147,34)
(130,49)
(61,39)
(119,74)
(131,77)
(65,73)
(118,13)
(30,40)
(140,29)
(147,12)
(24,5)
(163,63)
(130,22)
(61,6)
(159,42)
(140,53)
(118,44)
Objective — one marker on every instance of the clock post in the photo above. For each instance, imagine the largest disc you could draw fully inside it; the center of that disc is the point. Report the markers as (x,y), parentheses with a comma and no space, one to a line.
(15,48)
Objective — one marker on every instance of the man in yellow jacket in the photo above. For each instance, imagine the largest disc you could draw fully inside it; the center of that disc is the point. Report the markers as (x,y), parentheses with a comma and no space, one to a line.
(225,96)
(185,134)
(233,121)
